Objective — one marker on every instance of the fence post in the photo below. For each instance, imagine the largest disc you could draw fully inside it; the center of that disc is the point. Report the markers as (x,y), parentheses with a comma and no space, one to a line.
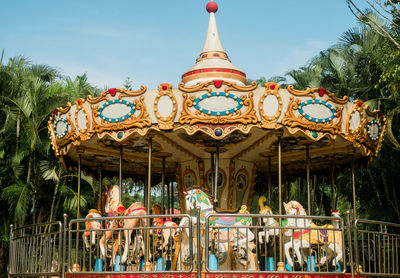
(65,228)
(350,243)
(11,253)
(198,243)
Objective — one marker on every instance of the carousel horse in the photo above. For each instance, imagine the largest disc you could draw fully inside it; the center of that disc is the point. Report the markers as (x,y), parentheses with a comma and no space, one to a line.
(304,238)
(196,197)
(164,234)
(113,208)
(91,225)
(268,222)
(235,245)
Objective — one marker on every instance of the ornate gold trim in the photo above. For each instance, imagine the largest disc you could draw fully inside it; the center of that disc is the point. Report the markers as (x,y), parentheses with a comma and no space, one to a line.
(270,122)
(357,107)
(71,136)
(292,121)
(122,93)
(311,93)
(165,123)
(84,134)
(64,110)
(142,120)
(247,117)
(191,129)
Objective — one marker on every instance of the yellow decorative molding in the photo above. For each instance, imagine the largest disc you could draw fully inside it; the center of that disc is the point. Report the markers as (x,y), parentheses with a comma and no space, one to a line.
(141,121)
(292,121)
(270,122)
(165,123)
(312,93)
(84,133)
(247,117)
(113,91)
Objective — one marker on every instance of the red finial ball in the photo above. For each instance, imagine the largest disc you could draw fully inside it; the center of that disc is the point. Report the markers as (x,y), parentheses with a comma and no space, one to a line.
(212,7)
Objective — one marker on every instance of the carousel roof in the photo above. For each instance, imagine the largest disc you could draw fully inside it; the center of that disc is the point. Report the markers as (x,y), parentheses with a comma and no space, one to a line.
(211,105)
(213,61)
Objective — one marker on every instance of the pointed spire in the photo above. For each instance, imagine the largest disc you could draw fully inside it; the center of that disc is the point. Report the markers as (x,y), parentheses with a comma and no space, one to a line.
(213,63)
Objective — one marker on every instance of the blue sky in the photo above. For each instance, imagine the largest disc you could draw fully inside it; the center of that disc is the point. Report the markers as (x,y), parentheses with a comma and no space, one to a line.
(156,41)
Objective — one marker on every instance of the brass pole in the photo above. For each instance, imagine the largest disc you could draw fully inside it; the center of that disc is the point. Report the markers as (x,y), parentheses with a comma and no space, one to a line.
(308,180)
(269,181)
(216,175)
(212,173)
(78,212)
(333,205)
(353,178)
(148,200)
(280,263)
(100,186)
(163,186)
(120,172)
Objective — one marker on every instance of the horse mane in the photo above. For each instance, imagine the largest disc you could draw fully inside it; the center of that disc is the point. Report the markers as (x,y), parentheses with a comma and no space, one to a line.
(205,190)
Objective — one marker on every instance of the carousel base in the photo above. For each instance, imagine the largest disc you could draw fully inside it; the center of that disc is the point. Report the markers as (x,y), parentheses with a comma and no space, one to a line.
(208,275)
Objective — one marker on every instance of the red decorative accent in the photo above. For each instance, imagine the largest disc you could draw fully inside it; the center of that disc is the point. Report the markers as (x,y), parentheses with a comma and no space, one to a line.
(164,87)
(218,83)
(380,114)
(360,103)
(213,70)
(212,7)
(321,92)
(79,102)
(272,86)
(55,111)
(112,92)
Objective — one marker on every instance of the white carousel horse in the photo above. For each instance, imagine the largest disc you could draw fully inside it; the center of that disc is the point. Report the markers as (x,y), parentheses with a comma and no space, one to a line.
(304,238)
(114,207)
(166,233)
(196,197)
(237,240)
(91,225)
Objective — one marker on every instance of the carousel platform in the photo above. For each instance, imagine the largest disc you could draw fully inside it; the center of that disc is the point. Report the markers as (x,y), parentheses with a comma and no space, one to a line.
(208,275)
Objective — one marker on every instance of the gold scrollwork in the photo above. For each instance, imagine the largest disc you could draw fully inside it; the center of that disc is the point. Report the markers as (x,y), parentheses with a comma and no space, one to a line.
(71,136)
(165,123)
(122,93)
(311,93)
(196,88)
(84,133)
(64,110)
(270,121)
(142,120)
(247,117)
(356,133)
(292,121)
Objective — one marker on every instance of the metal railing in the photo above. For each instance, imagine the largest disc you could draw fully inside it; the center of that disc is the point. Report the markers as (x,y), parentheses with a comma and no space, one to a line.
(377,248)
(312,249)
(248,246)
(174,257)
(36,250)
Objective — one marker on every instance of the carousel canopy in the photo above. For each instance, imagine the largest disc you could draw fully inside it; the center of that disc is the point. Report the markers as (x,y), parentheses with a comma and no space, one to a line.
(212,105)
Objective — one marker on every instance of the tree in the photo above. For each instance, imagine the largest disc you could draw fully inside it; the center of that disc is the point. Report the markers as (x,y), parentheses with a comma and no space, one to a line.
(384,19)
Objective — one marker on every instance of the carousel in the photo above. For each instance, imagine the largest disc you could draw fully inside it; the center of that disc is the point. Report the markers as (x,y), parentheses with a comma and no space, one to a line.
(206,143)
